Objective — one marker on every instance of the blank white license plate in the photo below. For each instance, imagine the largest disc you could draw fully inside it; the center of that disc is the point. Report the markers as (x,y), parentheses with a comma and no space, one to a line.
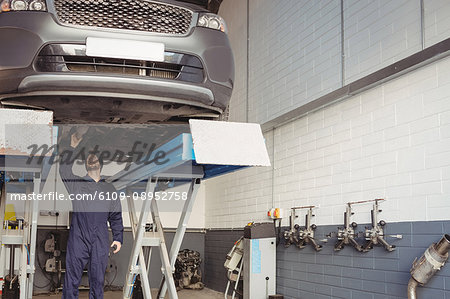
(124,49)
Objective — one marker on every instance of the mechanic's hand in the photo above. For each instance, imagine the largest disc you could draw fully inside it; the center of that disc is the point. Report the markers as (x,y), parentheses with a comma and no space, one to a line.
(118,245)
(76,137)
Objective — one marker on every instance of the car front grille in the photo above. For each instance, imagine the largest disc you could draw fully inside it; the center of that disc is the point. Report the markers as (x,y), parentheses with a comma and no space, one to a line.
(140,15)
(73,58)
(122,66)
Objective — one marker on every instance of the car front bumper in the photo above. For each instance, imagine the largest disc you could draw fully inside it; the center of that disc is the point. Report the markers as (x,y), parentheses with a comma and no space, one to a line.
(25,34)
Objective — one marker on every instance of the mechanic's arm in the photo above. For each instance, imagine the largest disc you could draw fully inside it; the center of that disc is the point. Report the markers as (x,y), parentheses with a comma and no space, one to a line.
(116,223)
(66,164)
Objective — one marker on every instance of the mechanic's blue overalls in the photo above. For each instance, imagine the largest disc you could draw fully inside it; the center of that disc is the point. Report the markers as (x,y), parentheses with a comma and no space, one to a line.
(89,238)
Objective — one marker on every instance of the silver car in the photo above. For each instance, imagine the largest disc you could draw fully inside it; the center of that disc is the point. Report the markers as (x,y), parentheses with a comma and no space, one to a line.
(119,61)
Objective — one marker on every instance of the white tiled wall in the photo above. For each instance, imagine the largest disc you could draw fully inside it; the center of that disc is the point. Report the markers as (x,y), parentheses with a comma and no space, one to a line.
(378,33)
(237,28)
(237,197)
(392,142)
(437,26)
(294,56)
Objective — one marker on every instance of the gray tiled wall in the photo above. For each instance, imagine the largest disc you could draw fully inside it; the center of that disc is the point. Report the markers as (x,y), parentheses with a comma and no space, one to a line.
(217,245)
(304,273)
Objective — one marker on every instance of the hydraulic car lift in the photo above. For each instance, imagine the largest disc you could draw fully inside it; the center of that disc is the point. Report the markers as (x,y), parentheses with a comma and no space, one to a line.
(180,156)
(186,157)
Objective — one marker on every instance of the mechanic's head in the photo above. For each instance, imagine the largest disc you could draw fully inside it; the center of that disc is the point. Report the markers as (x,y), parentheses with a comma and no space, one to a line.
(93,163)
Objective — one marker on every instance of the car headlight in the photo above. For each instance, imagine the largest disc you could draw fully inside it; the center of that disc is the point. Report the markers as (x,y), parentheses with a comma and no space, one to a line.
(212,21)
(21,5)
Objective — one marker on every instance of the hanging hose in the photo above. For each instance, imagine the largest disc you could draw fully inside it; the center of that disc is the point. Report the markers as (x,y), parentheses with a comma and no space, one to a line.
(429,263)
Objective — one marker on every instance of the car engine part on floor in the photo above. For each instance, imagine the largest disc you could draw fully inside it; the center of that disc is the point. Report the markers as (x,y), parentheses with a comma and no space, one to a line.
(188,274)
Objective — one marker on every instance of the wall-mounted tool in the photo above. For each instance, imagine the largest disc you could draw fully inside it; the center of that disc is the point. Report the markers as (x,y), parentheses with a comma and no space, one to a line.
(306,235)
(298,236)
(429,263)
(375,235)
(346,235)
(291,235)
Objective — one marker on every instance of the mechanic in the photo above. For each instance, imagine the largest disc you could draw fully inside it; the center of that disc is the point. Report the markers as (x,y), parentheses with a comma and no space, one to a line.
(88,241)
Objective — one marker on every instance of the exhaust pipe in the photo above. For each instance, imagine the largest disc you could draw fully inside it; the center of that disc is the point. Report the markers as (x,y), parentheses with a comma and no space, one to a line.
(429,263)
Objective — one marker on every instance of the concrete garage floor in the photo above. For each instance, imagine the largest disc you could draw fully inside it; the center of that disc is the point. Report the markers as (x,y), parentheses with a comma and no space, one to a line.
(183,294)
